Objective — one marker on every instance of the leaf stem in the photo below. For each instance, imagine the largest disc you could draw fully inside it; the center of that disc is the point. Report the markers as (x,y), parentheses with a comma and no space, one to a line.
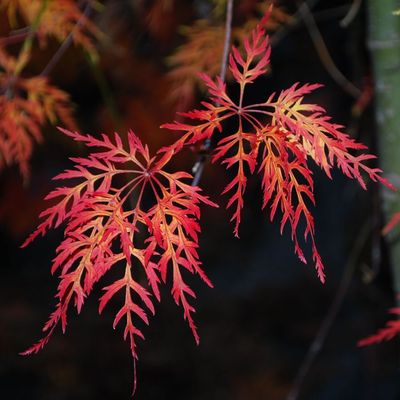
(227,41)
(199,165)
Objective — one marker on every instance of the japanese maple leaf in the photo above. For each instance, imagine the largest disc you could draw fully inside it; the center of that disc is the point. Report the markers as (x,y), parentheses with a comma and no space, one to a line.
(388,332)
(203,48)
(26,104)
(25,107)
(122,211)
(277,138)
(59,18)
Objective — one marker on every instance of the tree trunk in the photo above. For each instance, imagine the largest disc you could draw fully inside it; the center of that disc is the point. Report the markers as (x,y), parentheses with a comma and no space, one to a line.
(384,45)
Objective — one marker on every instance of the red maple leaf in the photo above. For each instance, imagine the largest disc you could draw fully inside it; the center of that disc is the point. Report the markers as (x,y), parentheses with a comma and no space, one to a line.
(123,212)
(388,332)
(25,106)
(279,136)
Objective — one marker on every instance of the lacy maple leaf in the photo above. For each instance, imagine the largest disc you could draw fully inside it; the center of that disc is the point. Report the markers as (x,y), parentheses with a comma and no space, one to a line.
(393,222)
(25,106)
(59,19)
(277,138)
(127,213)
(27,103)
(204,45)
(202,51)
(388,332)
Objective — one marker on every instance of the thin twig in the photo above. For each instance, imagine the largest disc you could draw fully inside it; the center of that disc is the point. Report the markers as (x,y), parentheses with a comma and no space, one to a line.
(227,42)
(331,13)
(294,22)
(333,311)
(199,165)
(324,54)
(14,38)
(351,14)
(68,41)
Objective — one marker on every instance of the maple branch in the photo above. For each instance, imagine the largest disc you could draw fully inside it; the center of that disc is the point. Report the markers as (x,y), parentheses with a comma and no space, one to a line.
(295,19)
(68,41)
(227,41)
(293,23)
(199,165)
(326,325)
(323,52)
(384,46)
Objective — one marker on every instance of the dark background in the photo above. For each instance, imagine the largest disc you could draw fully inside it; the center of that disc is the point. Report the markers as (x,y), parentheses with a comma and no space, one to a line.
(258,322)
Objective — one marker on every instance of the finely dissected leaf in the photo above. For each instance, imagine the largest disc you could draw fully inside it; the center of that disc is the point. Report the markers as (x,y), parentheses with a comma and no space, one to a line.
(203,48)
(25,105)
(280,136)
(20,123)
(320,139)
(52,103)
(59,19)
(176,234)
(202,52)
(243,158)
(393,222)
(391,330)
(123,212)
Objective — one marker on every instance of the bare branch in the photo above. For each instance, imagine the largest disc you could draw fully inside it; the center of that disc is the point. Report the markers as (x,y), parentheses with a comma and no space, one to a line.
(67,42)
(351,14)
(324,54)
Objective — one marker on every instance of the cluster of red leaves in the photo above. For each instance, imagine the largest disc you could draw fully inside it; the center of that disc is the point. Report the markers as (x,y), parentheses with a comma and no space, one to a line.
(27,103)
(127,213)
(25,106)
(59,19)
(277,138)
